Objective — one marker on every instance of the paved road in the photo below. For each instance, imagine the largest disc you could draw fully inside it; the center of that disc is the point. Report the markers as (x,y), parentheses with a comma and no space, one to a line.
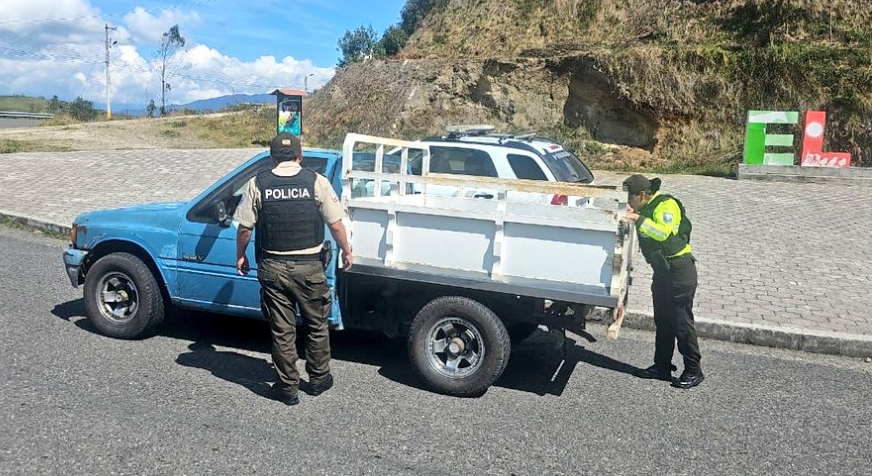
(785,256)
(6,123)
(188,401)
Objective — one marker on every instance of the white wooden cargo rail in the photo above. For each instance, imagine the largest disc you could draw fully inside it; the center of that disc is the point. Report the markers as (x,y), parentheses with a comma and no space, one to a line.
(570,254)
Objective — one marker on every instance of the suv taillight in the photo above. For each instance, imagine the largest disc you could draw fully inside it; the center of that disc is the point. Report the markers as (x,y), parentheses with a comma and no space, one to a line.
(560,200)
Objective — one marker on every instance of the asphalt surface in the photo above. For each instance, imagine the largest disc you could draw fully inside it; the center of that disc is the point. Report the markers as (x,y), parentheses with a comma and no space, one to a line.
(189,401)
(7,123)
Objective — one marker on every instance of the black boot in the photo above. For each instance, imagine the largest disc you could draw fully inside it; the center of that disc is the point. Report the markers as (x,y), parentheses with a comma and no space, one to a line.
(287,396)
(656,372)
(689,379)
(317,388)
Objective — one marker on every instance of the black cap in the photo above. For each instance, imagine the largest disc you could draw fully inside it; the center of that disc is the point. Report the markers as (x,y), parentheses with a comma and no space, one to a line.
(636,184)
(285,147)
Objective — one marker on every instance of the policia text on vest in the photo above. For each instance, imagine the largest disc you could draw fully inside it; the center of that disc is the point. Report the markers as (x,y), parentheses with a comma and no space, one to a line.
(289,206)
(664,231)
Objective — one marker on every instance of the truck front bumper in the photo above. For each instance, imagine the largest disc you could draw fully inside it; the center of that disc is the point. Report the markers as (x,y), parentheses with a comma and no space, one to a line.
(73,260)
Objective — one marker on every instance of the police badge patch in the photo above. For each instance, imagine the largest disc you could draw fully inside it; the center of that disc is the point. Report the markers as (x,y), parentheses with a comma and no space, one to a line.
(667,218)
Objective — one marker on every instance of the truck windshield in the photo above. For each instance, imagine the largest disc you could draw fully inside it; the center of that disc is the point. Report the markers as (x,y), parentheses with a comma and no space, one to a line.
(566,167)
(316,164)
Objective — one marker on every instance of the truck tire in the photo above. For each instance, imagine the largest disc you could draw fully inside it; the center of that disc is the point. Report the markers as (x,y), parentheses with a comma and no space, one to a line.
(458,346)
(122,297)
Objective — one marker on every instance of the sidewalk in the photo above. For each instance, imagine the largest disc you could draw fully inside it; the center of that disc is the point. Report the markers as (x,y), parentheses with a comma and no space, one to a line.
(780,264)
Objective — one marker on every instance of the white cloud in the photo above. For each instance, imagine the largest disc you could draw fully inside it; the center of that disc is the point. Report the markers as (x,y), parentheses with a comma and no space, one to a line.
(147,28)
(44,58)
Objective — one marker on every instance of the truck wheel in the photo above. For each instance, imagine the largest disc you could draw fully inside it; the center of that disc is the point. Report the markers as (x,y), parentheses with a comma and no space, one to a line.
(519,331)
(122,297)
(458,346)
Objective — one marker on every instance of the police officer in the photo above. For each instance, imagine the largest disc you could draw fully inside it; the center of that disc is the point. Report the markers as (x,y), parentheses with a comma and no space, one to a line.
(289,206)
(664,237)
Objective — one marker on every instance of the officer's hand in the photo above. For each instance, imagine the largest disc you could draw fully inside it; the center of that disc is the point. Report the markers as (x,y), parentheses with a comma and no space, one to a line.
(347,260)
(242,265)
(631,216)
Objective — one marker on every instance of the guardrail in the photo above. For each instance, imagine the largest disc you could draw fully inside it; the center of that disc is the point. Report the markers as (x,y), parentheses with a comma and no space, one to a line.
(24,115)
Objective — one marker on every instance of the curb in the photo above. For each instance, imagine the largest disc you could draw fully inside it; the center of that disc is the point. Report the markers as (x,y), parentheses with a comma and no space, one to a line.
(818,342)
(861,176)
(37,223)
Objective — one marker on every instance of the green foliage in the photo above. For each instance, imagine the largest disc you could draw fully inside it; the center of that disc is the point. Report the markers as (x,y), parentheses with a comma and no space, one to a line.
(10,146)
(151,108)
(359,44)
(82,110)
(23,104)
(393,40)
(416,10)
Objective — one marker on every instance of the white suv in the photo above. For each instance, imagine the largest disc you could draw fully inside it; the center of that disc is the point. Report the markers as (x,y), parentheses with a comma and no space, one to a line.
(477,151)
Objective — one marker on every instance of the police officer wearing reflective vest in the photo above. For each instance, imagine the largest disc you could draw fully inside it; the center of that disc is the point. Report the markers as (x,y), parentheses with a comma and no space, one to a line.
(288,206)
(664,237)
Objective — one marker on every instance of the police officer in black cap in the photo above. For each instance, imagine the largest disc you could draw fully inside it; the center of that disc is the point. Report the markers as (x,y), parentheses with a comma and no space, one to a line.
(664,237)
(289,206)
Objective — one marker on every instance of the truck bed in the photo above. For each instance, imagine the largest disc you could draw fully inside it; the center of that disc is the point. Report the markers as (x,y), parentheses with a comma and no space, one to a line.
(570,254)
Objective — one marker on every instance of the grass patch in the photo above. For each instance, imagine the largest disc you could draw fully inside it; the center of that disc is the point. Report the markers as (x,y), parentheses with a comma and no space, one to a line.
(250,128)
(171,133)
(10,146)
(22,104)
(9,222)
(60,120)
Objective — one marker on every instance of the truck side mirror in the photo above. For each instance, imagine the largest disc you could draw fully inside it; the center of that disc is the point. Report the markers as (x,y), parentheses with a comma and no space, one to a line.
(221,214)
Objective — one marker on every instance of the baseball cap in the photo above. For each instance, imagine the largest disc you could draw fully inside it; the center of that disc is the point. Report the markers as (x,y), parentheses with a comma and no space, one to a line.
(285,147)
(636,184)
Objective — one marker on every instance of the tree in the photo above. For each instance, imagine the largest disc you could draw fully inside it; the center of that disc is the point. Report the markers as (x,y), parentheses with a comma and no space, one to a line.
(358,45)
(393,40)
(167,61)
(54,105)
(82,110)
(150,108)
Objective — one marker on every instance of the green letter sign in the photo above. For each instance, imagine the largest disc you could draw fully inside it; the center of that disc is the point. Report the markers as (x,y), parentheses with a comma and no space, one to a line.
(757,140)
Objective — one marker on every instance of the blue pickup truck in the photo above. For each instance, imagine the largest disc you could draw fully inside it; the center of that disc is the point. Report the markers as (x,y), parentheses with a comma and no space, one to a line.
(138,261)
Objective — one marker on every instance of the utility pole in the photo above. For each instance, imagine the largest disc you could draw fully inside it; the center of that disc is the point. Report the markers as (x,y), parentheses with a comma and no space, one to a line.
(306,82)
(108,91)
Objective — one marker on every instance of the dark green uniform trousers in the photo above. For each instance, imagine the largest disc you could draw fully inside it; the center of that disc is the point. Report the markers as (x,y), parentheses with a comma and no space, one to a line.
(673,289)
(286,285)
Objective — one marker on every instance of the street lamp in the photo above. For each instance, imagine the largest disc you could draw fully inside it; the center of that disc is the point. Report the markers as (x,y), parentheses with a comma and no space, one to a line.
(306,82)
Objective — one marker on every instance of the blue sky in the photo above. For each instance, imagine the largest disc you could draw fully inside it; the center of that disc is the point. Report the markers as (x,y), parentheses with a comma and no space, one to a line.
(304,29)
(52,47)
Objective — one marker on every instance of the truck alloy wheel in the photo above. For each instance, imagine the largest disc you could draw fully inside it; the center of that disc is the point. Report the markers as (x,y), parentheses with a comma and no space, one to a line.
(118,299)
(458,346)
(122,297)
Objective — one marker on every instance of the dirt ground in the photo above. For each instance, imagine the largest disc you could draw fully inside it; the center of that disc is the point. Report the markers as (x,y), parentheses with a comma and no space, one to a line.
(155,133)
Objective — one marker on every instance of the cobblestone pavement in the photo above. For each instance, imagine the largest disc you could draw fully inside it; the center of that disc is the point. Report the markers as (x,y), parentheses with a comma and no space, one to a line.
(778,254)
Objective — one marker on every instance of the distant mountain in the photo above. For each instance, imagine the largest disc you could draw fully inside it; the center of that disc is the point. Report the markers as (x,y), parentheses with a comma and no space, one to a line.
(219,103)
(203,105)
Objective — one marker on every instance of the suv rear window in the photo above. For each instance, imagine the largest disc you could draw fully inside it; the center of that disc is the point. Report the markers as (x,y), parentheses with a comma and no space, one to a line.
(526,168)
(566,167)
(452,160)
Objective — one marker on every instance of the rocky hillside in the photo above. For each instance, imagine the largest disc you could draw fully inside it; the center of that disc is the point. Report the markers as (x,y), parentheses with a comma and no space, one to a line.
(655,84)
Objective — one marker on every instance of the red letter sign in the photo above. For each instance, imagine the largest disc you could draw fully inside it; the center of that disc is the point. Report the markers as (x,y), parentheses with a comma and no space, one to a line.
(813,144)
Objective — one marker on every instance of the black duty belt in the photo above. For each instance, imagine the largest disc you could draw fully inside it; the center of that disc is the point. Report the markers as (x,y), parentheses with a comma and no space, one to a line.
(310,257)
